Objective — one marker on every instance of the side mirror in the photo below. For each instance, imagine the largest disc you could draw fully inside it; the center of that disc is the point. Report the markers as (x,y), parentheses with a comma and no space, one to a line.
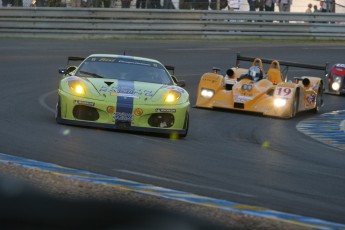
(68,70)
(181,83)
(62,71)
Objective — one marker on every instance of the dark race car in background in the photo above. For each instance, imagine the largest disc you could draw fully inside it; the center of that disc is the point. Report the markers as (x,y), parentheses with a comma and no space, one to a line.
(335,82)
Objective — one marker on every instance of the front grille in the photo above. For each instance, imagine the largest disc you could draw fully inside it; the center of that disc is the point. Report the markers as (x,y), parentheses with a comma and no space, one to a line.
(82,112)
(162,120)
(123,125)
(239,105)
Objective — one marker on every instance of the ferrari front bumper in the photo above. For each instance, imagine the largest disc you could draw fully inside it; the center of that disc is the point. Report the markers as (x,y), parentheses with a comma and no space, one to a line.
(160,118)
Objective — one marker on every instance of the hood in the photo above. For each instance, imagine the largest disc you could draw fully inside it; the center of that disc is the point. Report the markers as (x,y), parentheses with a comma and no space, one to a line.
(246,90)
(338,69)
(140,91)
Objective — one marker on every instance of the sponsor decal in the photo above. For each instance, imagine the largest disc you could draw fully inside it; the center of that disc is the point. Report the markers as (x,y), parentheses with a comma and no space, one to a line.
(110,109)
(122,116)
(78,102)
(138,112)
(310,99)
(102,59)
(230,81)
(209,79)
(159,110)
(135,62)
(315,87)
(106,59)
(242,99)
(123,95)
(125,91)
(124,106)
(340,65)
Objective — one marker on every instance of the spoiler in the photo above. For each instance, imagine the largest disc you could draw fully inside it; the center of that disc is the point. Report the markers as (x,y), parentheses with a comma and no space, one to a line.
(75,59)
(282,63)
(171,69)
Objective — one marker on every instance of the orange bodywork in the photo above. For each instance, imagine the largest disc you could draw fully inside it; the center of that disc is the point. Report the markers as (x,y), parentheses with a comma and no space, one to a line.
(270,96)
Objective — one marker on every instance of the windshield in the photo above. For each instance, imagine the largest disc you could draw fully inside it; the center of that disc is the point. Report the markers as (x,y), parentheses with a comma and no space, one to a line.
(124,69)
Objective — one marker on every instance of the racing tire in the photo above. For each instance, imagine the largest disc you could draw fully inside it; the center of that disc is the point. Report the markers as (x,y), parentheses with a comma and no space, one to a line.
(186,126)
(58,110)
(318,100)
(295,104)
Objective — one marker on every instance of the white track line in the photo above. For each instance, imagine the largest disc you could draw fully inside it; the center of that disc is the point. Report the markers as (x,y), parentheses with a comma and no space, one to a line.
(183,183)
(42,101)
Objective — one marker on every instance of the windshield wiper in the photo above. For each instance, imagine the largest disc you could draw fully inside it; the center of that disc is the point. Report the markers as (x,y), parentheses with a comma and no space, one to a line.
(91,74)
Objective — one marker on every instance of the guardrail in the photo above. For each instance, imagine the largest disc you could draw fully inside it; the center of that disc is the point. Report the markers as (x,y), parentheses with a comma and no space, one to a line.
(84,23)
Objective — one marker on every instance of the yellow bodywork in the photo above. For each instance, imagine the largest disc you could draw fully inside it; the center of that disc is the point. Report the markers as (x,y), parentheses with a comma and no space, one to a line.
(264,96)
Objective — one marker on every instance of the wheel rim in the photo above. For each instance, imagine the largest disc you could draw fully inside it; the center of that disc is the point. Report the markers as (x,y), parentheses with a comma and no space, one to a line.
(318,103)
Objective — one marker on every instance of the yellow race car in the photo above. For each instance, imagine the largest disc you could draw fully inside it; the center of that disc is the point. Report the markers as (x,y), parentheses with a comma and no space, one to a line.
(255,90)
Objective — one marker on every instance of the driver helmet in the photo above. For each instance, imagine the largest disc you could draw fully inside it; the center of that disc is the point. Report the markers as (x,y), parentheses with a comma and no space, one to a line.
(256,73)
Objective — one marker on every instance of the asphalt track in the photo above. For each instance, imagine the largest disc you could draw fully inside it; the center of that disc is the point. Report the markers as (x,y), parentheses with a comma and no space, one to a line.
(232,156)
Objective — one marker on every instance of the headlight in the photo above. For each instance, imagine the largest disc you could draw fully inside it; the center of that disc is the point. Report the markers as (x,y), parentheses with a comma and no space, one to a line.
(172,96)
(279,102)
(336,83)
(207,93)
(335,86)
(76,87)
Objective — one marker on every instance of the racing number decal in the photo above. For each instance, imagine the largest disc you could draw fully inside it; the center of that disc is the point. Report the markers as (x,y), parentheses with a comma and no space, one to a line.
(283,92)
(340,65)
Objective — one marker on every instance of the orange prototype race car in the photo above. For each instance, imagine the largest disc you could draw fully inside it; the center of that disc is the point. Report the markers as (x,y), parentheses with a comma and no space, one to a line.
(268,93)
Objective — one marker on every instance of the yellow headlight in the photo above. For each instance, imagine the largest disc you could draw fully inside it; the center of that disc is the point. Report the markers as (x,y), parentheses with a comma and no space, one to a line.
(172,96)
(77,87)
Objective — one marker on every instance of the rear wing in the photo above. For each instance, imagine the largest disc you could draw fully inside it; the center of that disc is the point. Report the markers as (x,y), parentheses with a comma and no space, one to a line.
(171,69)
(69,59)
(282,63)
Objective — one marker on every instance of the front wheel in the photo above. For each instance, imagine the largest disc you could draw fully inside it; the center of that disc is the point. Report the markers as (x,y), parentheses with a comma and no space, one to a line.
(295,104)
(318,101)
(186,126)
(58,110)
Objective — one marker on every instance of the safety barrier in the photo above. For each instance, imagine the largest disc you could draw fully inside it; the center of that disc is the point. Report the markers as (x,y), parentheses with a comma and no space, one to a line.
(86,23)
